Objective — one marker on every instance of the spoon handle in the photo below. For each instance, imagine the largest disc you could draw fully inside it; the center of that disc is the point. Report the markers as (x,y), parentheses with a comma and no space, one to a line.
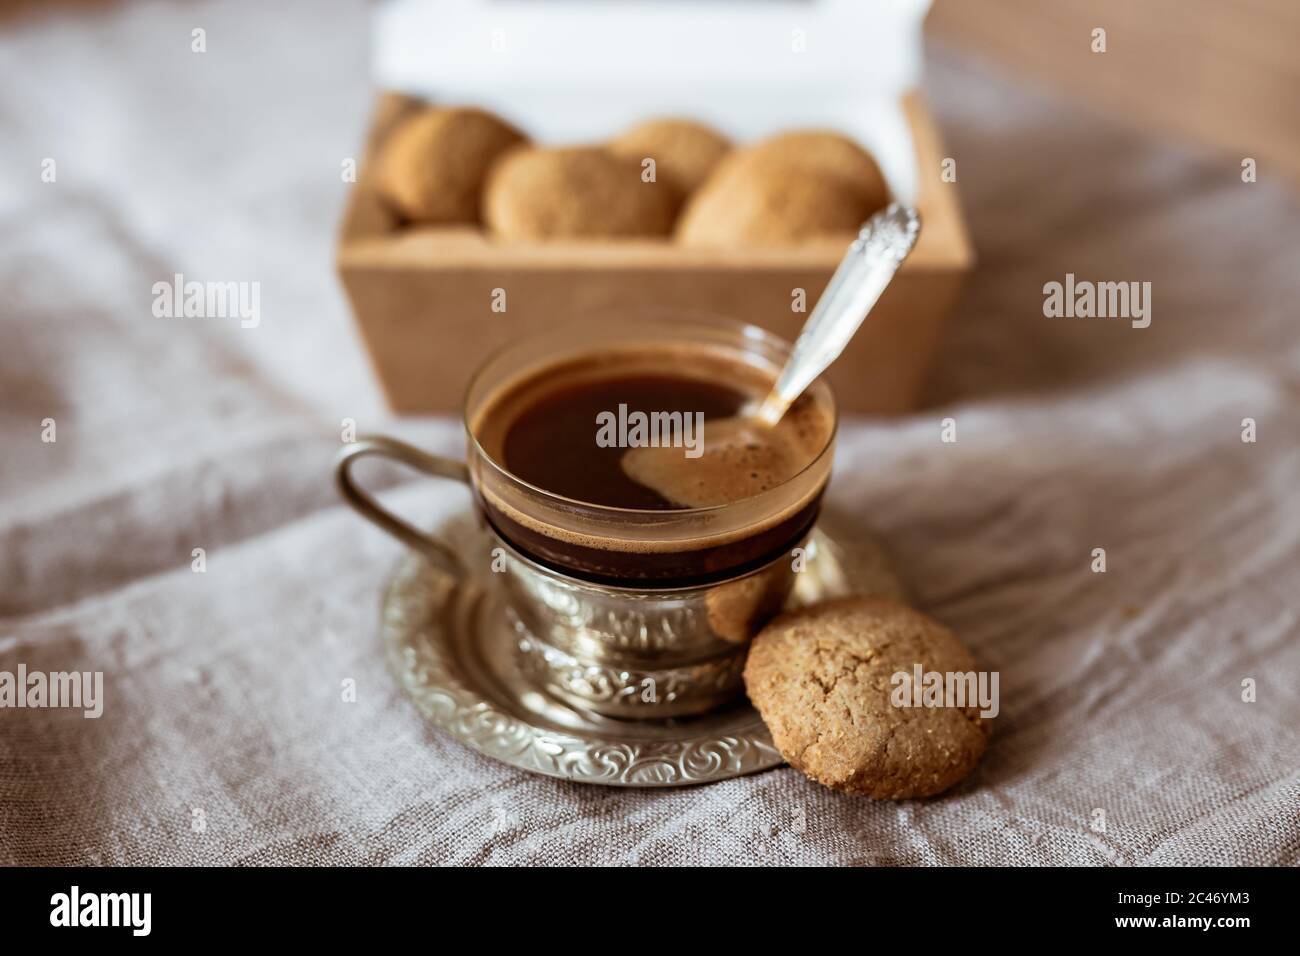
(868,266)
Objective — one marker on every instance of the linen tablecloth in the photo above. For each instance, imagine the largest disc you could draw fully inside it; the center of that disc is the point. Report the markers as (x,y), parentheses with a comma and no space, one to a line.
(1121,692)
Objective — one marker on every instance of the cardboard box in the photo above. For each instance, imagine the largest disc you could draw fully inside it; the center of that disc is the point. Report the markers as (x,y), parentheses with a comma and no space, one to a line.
(423,296)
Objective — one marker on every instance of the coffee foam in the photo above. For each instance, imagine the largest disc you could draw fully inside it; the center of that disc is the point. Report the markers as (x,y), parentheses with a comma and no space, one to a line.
(621,540)
(741,457)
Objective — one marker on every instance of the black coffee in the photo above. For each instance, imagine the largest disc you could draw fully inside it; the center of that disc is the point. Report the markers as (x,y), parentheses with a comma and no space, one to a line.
(553,444)
(651,433)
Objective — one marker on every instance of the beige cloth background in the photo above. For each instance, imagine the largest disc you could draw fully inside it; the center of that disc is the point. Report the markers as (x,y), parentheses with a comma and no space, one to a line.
(1120,692)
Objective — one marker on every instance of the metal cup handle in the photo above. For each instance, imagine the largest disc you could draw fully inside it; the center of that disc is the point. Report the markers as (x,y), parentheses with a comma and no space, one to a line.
(369,508)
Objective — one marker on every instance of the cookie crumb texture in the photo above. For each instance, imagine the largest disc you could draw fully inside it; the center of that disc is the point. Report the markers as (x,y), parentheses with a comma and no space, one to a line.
(433,167)
(790,188)
(684,152)
(820,679)
(575,192)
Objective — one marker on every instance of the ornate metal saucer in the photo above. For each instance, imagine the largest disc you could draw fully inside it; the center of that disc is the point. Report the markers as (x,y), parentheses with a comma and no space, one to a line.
(455,652)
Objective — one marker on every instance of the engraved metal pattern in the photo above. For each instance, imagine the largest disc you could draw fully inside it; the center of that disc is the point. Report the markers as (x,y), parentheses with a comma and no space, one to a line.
(628,690)
(628,652)
(452,648)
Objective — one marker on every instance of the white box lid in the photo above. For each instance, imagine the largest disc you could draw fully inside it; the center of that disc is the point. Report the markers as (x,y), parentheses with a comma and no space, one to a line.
(583,70)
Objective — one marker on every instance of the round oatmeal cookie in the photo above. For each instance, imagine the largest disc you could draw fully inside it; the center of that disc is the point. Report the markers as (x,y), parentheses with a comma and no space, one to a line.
(575,192)
(822,679)
(432,167)
(684,151)
(792,188)
(826,153)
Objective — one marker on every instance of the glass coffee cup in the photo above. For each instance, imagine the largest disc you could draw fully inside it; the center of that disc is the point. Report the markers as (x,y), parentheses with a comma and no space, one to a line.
(636,612)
